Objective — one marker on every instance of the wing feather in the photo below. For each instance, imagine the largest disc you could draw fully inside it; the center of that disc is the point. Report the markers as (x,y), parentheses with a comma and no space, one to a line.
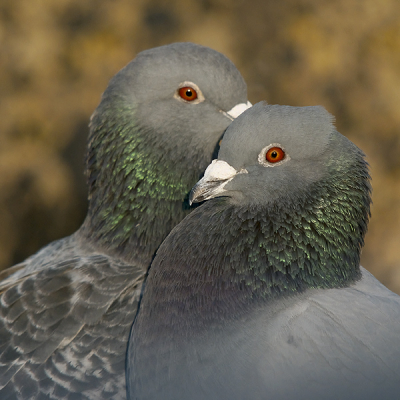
(64,328)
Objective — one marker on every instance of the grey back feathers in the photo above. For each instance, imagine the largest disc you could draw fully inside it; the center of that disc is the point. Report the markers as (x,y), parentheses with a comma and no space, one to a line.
(66,312)
(258,293)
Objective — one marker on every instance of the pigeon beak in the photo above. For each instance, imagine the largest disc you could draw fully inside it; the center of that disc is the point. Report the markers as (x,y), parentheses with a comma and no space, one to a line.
(237,110)
(216,176)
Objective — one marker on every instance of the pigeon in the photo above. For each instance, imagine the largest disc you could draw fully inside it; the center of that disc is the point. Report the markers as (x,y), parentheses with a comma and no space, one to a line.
(66,312)
(258,293)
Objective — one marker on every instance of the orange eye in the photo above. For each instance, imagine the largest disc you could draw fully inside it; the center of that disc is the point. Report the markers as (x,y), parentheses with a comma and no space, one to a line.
(274,155)
(187,93)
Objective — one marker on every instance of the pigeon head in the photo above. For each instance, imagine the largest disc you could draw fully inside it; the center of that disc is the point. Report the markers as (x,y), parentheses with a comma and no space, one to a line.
(181,97)
(187,82)
(153,134)
(276,154)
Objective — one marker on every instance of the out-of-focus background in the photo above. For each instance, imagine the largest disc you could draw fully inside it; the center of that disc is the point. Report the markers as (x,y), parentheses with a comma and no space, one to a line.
(58,56)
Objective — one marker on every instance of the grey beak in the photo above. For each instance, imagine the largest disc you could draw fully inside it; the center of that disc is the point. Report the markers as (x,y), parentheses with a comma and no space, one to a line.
(204,191)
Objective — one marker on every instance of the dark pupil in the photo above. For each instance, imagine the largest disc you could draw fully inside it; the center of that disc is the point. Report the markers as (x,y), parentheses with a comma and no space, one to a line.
(274,154)
(189,93)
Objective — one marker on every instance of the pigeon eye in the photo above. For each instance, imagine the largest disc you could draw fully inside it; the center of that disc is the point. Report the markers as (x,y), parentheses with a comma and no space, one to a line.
(274,155)
(187,93)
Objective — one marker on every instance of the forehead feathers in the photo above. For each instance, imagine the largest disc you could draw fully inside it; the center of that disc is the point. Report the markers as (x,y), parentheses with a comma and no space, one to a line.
(303,132)
(159,71)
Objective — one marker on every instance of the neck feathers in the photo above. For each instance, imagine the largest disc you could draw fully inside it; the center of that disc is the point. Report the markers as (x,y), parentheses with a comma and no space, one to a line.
(223,255)
(134,199)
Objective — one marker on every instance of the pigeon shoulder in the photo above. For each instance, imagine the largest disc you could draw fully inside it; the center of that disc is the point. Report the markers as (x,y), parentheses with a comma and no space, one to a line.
(343,341)
(365,304)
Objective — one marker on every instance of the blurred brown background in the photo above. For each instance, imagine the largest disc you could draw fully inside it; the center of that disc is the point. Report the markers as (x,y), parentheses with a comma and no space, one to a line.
(57,57)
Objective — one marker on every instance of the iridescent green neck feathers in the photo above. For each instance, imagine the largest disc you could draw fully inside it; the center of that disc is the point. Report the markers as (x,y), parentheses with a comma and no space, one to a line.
(134,199)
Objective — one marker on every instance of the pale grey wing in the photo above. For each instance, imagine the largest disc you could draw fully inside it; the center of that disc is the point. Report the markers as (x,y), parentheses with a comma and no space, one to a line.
(65,248)
(5,273)
(335,344)
(63,330)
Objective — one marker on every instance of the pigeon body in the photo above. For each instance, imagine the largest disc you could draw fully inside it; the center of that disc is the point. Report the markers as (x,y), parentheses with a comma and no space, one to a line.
(66,312)
(258,294)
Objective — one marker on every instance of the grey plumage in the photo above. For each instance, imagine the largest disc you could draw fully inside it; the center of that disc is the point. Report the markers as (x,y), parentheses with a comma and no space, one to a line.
(66,312)
(258,294)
